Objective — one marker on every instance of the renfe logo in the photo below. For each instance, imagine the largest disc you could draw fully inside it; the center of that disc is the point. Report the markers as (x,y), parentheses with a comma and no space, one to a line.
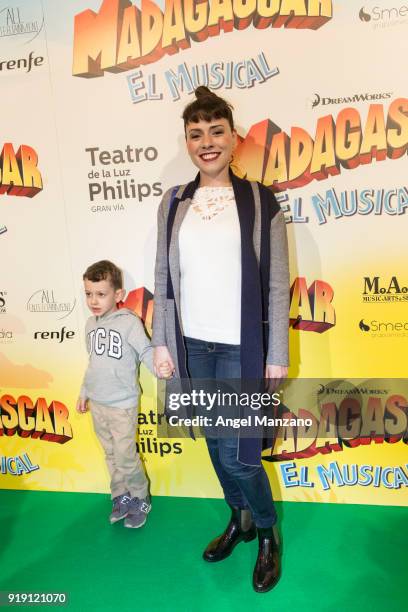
(122,36)
(23,62)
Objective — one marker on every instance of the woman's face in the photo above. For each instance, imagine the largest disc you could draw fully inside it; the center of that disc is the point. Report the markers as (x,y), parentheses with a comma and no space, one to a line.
(210,146)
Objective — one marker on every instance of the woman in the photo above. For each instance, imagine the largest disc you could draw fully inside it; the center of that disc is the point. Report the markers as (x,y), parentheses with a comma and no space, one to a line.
(222,309)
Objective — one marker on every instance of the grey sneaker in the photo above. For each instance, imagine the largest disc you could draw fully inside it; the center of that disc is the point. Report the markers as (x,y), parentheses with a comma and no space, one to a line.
(120,508)
(138,511)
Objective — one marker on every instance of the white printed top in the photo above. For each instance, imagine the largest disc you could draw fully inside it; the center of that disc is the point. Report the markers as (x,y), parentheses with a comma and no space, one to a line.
(210,267)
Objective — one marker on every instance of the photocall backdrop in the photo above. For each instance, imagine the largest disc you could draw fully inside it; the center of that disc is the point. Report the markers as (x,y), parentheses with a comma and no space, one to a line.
(92,93)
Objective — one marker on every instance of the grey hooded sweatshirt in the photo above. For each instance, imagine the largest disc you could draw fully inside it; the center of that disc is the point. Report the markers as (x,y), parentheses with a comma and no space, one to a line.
(116,344)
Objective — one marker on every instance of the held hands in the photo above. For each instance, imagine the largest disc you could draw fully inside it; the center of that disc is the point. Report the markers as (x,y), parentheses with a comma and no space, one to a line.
(82,405)
(162,362)
(165,370)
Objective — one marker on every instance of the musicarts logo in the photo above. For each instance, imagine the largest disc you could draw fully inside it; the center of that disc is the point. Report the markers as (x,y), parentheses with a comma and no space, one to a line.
(384,329)
(23,20)
(19,174)
(382,17)
(385,290)
(318,100)
(122,36)
(44,300)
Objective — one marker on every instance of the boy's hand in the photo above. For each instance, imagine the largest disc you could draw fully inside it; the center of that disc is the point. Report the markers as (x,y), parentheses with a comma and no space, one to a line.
(82,405)
(161,355)
(165,370)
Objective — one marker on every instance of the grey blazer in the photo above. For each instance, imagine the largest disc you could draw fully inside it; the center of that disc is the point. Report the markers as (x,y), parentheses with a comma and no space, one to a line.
(265,283)
(168,262)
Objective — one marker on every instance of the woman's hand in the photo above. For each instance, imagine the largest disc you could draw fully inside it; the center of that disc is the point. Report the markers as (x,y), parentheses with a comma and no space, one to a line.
(82,405)
(160,356)
(274,376)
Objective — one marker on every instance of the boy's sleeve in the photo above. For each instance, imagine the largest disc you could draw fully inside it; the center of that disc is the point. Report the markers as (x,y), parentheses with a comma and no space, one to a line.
(138,339)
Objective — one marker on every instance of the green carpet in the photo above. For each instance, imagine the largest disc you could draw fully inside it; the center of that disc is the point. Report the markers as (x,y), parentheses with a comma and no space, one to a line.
(335,556)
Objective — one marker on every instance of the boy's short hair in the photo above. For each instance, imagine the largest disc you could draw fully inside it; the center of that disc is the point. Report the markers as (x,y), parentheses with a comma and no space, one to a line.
(104,270)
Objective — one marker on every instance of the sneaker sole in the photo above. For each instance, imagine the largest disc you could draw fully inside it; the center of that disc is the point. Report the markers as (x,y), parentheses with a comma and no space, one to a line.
(116,520)
(135,526)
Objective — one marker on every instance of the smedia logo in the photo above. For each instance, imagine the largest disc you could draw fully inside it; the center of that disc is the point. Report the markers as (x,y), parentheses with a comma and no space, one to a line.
(363,326)
(385,328)
(385,15)
(363,15)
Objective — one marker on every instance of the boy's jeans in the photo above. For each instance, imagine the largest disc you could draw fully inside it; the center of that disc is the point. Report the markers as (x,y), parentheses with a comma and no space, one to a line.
(243,485)
(116,429)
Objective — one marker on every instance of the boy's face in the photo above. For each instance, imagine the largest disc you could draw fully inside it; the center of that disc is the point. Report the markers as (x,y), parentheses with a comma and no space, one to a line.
(101,297)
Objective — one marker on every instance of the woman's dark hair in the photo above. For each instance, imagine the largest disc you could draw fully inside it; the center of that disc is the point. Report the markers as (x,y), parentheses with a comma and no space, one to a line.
(206,107)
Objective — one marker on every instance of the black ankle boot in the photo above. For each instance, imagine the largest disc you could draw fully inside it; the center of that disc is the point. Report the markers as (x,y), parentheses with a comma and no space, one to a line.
(239,529)
(268,567)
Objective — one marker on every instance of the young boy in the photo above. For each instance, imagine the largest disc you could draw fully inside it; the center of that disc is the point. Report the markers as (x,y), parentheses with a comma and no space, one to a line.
(117,343)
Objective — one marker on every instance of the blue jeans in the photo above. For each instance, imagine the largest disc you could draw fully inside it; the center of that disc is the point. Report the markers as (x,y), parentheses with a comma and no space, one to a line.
(244,486)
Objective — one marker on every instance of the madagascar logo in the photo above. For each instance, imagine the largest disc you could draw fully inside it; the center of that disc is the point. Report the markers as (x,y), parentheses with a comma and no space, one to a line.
(271,156)
(19,174)
(122,36)
(311,309)
(34,419)
(352,422)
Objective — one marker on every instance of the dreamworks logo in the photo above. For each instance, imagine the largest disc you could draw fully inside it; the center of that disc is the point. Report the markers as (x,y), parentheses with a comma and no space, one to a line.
(382,17)
(358,97)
